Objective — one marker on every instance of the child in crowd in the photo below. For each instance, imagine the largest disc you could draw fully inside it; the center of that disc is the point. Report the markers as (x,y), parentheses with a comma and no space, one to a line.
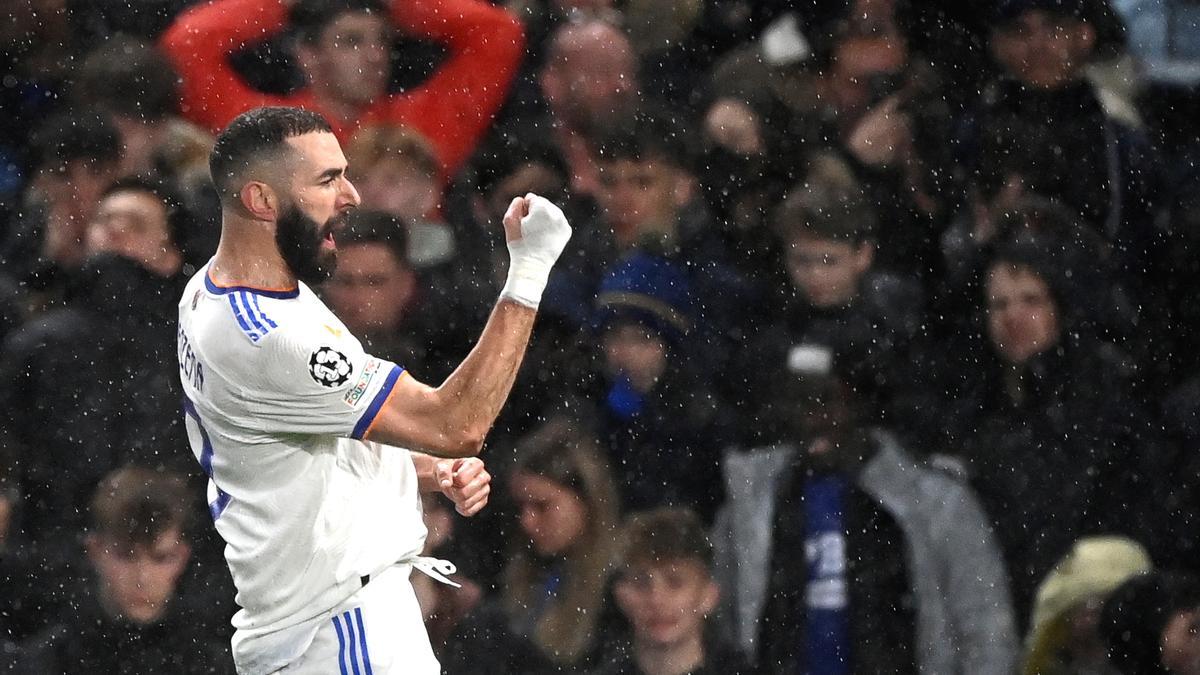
(666,591)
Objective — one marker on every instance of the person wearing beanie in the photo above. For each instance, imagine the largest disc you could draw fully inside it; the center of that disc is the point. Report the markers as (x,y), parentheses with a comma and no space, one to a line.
(1149,623)
(656,414)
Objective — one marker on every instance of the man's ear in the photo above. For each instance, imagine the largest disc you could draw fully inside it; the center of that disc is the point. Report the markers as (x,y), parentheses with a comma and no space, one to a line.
(260,200)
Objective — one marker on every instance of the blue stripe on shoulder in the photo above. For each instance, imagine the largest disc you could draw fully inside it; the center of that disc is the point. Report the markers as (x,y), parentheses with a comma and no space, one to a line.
(237,313)
(267,319)
(243,296)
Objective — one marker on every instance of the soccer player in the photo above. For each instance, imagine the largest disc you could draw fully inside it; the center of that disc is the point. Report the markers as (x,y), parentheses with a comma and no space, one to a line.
(301,432)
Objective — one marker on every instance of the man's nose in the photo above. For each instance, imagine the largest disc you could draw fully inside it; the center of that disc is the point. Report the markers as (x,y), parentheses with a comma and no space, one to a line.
(350,196)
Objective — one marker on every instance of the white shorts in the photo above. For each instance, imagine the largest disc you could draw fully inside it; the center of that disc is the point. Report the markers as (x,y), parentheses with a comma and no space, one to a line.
(378,630)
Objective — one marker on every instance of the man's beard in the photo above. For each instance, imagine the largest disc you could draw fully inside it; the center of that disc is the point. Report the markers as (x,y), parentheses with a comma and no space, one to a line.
(299,240)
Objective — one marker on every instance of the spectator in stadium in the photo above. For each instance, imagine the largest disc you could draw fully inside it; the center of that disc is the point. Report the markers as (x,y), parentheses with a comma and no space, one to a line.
(830,294)
(1149,623)
(385,302)
(343,48)
(1063,636)
(837,549)
(465,625)
(105,362)
(553,591)
(657,411)
(665,590)
(397,172)
(588,84)
(650,204)
(1044,109)
(1043,417)
(851,82)
(137,86)
(77,156)
(137,548)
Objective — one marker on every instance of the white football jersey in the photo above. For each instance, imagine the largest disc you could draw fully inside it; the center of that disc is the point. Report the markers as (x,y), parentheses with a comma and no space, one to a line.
(278,395)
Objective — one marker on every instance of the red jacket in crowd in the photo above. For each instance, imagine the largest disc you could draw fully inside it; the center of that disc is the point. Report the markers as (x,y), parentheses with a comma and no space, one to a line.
(452,108)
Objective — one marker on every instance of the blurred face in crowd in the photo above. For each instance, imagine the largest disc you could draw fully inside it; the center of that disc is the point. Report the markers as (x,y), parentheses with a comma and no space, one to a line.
(1181,643)
(349,61)
(642,196)
(824,423)
(133,224)
(553,516)
(1042,49)
(637,352)
(590,80)
(315,207)
(137,581)
(399,188)
(666,602)
(1021,314)
(827,271)
(370,289)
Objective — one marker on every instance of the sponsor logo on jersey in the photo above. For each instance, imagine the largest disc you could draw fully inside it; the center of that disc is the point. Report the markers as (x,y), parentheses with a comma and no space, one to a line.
(329,367)
(364,380)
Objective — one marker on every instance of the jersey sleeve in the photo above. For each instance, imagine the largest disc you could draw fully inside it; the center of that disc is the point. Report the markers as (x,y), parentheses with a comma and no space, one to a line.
(320,382)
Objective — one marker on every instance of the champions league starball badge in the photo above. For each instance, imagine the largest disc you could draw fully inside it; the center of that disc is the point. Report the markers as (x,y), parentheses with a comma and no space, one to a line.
(329,367)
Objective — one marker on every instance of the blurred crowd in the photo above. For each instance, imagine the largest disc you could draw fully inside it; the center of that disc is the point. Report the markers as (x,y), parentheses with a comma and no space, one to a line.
(869,353)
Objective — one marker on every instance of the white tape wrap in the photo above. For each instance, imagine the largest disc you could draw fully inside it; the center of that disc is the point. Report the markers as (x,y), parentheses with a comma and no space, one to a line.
(544,234)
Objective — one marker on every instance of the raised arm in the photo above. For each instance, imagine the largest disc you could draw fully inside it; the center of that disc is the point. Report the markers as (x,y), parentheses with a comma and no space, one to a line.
(199,43)
(454,107)
(453,419)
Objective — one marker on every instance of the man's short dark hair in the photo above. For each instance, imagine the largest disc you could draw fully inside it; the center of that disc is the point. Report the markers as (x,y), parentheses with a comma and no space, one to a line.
(128,78)
(72,136)
(310,17)
(665,535)
(137,505)
(377,227)
(253,135)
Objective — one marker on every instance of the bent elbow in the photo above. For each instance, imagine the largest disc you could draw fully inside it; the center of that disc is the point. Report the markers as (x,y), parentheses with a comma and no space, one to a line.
(467,443)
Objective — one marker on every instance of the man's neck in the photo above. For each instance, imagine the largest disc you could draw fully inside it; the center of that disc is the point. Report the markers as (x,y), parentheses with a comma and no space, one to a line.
(674,659)
(343,113)
(248,257)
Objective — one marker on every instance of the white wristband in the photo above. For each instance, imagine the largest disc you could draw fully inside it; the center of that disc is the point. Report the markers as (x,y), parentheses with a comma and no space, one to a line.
(526,281)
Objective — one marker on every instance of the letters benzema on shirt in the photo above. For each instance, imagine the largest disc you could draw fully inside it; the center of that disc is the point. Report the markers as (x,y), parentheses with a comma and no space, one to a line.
(329,367)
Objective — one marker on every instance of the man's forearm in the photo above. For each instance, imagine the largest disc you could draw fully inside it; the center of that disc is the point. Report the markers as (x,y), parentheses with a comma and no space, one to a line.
(476,390)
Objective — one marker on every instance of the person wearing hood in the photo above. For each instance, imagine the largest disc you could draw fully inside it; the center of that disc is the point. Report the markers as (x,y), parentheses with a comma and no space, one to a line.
(1043,416)
(92,385)
(1044,108)
(841,553)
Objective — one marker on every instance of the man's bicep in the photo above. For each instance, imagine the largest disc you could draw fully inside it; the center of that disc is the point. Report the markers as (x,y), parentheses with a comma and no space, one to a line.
(409,418)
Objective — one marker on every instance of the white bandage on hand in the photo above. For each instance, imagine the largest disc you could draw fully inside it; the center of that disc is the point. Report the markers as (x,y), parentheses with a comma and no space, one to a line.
(544,234)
